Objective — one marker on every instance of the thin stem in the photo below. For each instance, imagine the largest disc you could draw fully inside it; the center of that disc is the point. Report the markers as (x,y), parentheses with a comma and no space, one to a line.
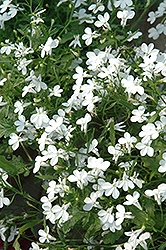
(29,157)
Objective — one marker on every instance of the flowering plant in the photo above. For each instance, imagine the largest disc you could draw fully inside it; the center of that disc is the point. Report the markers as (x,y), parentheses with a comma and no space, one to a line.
(83,126)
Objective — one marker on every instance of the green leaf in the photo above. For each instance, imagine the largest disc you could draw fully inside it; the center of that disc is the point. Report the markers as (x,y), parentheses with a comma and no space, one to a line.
(68,225)
(46,177)
(7,165)
(112,133)
(94,228)
(22,229)
(112,237)
(163,246)
(154,117)
(150,208)
(6,128)
(152,164)
(141,217)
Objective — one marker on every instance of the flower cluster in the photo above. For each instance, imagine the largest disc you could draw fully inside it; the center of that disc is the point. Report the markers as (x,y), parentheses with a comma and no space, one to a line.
(86,117)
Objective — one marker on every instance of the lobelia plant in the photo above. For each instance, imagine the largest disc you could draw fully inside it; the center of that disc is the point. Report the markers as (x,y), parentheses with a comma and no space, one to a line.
(83,121)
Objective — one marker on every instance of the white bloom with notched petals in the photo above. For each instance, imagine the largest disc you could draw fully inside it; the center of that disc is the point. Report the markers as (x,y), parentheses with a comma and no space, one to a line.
(103,21)
(89,35)
(133,200)
(98,163)
(45,236)
(40,119)
(80,177)
(111,188)
(124,15)
(121,214)
(128,141)
(56,91)
(115,151)
(122,3)
(47,48)
(91,202)
(84,122)
(98,6)
(162,168)
(3,200)
(15,140)
(34,246)
(75,42)
(2,103)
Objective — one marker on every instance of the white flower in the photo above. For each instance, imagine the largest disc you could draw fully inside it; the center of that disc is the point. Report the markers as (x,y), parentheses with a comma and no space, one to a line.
(34,246)
(152,17)
(79,76)
(132,86)
(40,119)
(92,147)
(91,202)
(98,163)
(84,122)
(2,103)
(162,168)
(111,189)
(145,148)
(126,183)
(54,125)
(119,127)
(124,15)
(122,3)
(103,21)
(128,141)
(14,140)
(19,106)
(53,154)
(116,151)
(83,16)
(38,84)
(89,35)
(121,214)
(61,213)
(135,180)
(2,81)
(28,89)
(44,140)
(47,48)
(79,177)
(2,231)
(141,241)
(39,161)
(133,36)
(45,236)
(89,101)
(3,200)
(106,216)
(149,131)
(20,123)
(138,115)
(22,65)
(158,193)
(56,91)
(133,200)
(13,231)
(60,2)
(155,32)
(5,5)
(79,2)
(76,41)
(96,7)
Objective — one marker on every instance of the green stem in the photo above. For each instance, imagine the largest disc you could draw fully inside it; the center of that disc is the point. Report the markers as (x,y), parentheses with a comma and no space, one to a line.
(29,157)
(70,18)
(143,13)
